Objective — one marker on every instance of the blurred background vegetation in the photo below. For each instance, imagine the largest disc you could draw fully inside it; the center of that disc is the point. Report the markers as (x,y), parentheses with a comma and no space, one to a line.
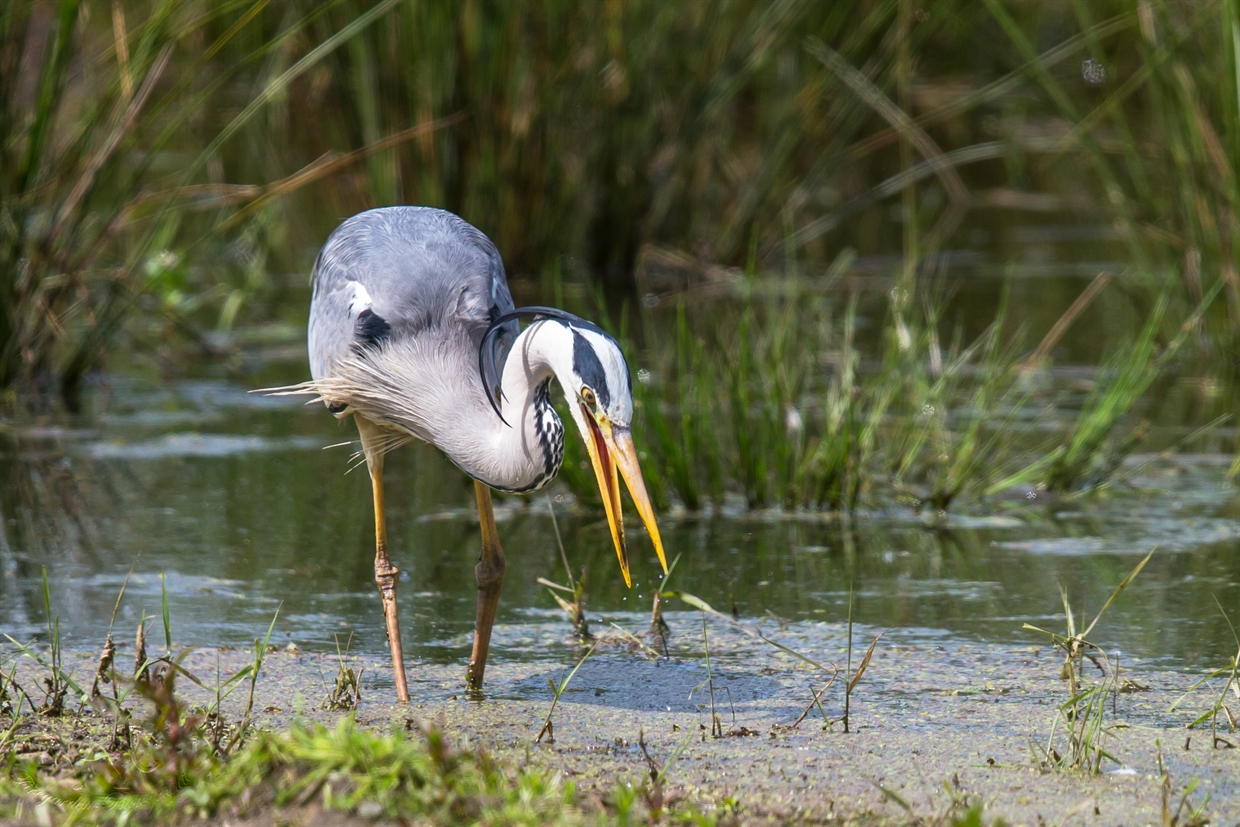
(846,239)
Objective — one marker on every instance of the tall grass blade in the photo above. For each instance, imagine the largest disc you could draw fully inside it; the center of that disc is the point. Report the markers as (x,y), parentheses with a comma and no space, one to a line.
(1123,584)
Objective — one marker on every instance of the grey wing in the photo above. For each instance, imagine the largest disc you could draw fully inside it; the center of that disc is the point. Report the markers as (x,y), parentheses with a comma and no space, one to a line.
(405,272)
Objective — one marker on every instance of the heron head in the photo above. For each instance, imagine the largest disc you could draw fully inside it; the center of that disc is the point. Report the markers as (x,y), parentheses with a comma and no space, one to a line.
(594,375)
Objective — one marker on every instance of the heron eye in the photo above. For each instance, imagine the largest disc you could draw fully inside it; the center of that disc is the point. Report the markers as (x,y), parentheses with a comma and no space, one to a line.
(587,395)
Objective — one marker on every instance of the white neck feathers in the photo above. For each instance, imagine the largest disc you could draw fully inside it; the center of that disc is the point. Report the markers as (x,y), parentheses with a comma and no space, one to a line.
(417,386)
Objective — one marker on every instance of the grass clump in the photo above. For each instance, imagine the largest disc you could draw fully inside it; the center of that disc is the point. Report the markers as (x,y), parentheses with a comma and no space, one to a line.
(177,760)
(177,764)
(770,407)
(778,407)
(777,404)
(953,407)
(310,766)
(1083,715)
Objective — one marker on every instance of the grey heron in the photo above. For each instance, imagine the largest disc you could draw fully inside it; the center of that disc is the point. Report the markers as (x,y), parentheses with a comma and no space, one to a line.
(414,334)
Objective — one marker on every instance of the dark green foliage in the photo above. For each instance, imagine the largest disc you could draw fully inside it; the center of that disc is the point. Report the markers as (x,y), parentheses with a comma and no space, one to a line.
(345,768)
(594,128)
(191,762)
(1158,136)
(81,151)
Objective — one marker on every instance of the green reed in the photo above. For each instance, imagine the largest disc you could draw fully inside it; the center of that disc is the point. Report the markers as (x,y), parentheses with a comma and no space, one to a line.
(953,423)
(1156,138)
(95,211)
(569,132)
(777,407)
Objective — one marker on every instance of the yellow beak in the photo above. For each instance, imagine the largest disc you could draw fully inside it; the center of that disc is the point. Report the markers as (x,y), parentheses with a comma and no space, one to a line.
(611,450)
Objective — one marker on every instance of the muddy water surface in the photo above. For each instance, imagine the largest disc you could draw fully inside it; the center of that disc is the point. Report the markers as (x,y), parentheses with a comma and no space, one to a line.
(230,502)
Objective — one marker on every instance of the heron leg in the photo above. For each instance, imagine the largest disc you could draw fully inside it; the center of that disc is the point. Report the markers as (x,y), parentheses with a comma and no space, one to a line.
(490,573)
(386,574)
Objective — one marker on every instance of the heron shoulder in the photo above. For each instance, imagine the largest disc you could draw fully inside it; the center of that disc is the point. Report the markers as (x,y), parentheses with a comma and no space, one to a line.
(402,272)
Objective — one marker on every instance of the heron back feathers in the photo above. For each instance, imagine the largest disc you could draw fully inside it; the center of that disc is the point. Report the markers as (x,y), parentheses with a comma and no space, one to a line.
(401,272)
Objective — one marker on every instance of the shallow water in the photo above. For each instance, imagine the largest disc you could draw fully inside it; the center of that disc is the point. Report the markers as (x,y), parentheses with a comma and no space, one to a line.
(230,502)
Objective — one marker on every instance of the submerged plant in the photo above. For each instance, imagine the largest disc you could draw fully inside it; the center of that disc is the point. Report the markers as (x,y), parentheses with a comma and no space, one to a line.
(548,727)
(347,692)
(57,681)
(575,607)
(1230,673)
(855,677)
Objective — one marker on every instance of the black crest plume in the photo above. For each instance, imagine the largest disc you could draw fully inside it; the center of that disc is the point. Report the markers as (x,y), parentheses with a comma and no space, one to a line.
(486,348)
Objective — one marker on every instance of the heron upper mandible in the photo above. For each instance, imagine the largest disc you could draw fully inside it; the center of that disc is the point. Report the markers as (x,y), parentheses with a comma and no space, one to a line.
(413,333)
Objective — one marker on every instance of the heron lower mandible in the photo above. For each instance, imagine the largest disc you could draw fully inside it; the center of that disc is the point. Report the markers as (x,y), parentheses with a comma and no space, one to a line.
(413,333)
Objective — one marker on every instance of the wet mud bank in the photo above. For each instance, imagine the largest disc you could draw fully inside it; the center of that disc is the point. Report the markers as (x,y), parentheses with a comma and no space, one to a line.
(928,726)
(932,726)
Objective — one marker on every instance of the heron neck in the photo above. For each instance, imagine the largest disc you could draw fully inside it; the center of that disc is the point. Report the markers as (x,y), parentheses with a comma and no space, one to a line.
(524,454)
